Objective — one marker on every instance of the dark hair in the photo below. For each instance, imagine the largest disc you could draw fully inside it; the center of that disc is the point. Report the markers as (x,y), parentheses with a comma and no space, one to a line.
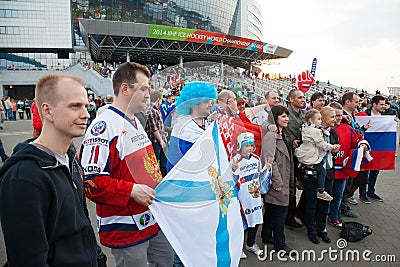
(277,111)
(126,73)
(347,96)
(375,100)
(315,96)
(292,94)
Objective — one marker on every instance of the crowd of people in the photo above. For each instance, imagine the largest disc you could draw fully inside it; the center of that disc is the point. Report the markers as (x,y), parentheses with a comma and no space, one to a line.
(129,146)
(9,108)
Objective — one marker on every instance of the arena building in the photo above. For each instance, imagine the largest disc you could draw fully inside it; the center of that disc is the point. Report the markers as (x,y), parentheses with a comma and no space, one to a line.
(53,35)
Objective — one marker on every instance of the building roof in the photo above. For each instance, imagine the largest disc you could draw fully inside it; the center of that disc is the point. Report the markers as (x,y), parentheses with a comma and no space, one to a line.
(150,43)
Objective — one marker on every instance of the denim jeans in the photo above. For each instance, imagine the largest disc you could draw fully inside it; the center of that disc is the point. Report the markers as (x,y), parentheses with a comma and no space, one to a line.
(310,187)
(337,194)
(323,206)
(292,192)
(2,117)
(160,155)
(274,223)
(251,235)
(316,209)
(10,115)
(322,209)
(157,251)
(321,176)
(372,177)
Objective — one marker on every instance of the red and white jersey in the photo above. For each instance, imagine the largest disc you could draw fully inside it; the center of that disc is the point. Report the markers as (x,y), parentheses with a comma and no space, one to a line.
(115,154)
(348,139)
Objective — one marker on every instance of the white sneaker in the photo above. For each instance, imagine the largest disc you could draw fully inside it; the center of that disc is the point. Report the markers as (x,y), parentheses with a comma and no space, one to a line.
(243,255)
(324,196)
(254,249)
(352,201)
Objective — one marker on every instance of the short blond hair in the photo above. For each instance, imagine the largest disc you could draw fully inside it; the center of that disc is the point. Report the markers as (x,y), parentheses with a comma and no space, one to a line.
(326,110)
(46,90)
(336,105)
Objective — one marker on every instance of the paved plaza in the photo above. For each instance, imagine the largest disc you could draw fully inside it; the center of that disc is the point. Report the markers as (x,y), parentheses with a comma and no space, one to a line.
(382,217)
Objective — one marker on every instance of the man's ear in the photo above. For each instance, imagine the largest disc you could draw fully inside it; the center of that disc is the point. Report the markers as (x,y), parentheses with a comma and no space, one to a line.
(124,88)
(47,111)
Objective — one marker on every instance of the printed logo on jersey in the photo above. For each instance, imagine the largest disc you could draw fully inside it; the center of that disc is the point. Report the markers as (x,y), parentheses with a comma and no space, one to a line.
(250,211)
(151,165)
(249,167)
(91,169)
(98,128)
(95,141)
(145,219)
(254,188)
(140,140)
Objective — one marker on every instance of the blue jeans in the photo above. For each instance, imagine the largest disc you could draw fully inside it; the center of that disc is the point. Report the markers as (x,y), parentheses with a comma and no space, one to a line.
(321,176)
(324,205)
(274,223)
(337,194)
(251,235)
(372,177)
(10,115)
(160,155)
(322,209)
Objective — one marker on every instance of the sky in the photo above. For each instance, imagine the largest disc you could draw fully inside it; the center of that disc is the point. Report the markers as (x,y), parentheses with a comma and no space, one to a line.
(356,42)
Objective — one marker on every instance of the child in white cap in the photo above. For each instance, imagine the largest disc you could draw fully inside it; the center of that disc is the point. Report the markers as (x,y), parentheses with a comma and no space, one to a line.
(246,168)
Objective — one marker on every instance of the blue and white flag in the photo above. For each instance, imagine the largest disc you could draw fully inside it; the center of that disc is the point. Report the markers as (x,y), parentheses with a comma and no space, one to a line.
(313,66)
(265,180)
(197,207)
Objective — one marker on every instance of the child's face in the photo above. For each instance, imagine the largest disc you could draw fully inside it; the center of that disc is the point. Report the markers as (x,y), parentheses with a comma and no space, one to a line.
(247,150)
(316,120)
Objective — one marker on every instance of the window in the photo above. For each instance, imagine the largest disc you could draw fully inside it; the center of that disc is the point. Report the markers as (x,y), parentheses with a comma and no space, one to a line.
(9,30)
(8,13)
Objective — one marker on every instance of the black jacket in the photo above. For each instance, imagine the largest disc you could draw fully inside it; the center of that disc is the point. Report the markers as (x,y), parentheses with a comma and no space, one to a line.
(42,211)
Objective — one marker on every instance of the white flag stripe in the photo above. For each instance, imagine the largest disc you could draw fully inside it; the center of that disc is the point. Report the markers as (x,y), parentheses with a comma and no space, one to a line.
(378,123)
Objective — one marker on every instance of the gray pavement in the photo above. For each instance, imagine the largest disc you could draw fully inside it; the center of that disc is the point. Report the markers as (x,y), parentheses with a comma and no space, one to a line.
(382,217)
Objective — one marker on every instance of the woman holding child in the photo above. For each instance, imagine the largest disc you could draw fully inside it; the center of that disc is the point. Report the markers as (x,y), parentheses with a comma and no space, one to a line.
(318,179)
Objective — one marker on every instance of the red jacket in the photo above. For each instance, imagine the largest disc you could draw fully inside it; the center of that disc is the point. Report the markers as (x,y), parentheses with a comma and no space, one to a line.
(348,139)
(36,120)
(115,155)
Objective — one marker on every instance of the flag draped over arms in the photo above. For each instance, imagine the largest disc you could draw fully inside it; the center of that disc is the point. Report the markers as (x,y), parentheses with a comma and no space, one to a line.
(197,207)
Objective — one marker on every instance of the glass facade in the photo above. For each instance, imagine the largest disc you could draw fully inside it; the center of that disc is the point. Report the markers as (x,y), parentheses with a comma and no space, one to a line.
(35,24)
(224,16)
(33,61)
(31,29)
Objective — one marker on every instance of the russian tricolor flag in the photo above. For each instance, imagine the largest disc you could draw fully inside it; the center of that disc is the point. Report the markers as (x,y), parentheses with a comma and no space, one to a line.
(382,138)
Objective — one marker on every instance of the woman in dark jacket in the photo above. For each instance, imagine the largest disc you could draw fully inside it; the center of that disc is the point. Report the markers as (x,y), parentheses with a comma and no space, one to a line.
(276,151)
(316,210)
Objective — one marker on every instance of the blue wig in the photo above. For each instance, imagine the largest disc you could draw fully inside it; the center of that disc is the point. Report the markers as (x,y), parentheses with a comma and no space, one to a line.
(194,93)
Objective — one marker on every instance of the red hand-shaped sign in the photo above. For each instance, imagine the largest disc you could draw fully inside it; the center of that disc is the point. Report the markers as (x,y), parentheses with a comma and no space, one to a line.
(304,81)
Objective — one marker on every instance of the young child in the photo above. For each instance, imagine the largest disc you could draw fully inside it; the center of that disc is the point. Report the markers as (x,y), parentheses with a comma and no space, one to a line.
(246,168)
(313,149)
